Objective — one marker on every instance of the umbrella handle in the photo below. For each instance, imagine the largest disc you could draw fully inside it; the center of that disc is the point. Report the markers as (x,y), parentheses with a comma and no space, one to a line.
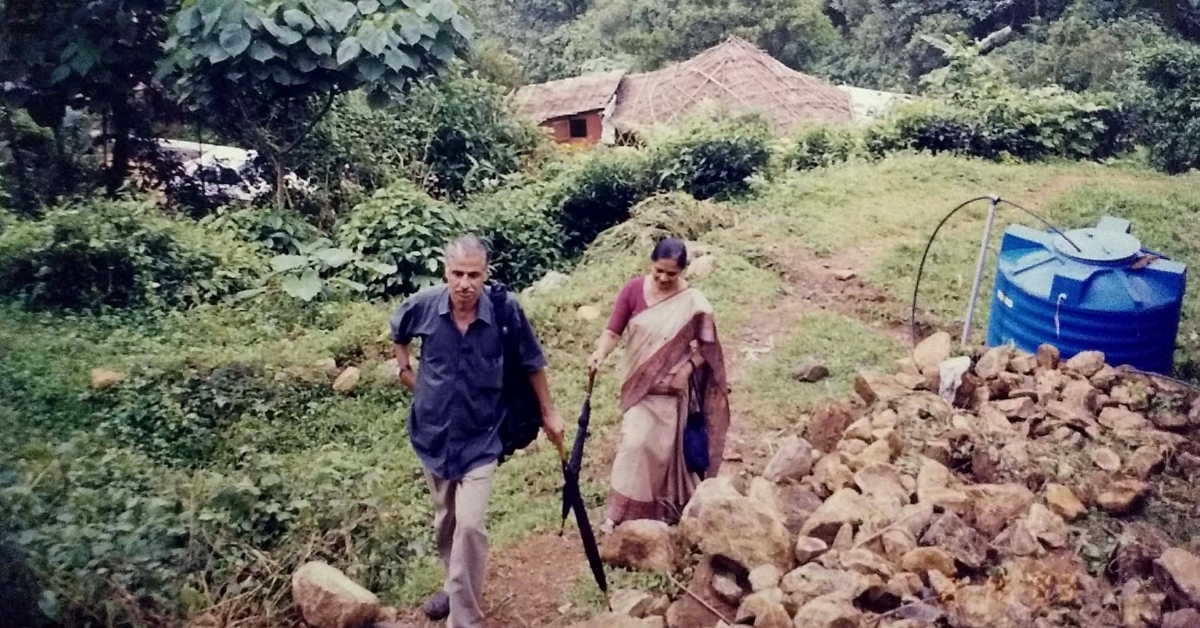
(562,452)
(591,381)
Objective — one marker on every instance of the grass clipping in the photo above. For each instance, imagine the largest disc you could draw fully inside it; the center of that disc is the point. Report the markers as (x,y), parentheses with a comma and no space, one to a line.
(675,214)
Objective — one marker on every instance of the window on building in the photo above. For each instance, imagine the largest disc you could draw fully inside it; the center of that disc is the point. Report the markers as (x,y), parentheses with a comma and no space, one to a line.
(579,127)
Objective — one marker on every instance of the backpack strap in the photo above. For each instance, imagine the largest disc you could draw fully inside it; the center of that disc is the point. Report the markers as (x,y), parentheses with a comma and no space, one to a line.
(498,293)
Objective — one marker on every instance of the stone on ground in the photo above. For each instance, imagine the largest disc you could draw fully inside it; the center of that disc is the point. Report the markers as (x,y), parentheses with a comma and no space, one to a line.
(1179,571)
(1063,502)
(932,351)
(793,461)
(810,371)
(328,599)
(720,521)
(828,612)
(348,380)
(641,545)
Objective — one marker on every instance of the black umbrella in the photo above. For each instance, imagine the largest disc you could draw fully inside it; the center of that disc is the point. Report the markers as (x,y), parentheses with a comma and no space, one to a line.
(573,499)
(575,463)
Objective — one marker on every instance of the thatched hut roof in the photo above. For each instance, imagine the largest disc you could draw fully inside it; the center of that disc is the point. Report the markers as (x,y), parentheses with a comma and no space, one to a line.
(566,97)
(739,79)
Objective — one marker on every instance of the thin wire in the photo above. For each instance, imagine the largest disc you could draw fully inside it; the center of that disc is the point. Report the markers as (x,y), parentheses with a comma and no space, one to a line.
(1044,222)
(1161,376)
(921,269)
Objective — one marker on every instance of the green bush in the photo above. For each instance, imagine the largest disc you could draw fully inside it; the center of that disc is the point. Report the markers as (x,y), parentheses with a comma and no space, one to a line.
(1171,106)
(451,136)
(119,254)
(522,232)
(821,147)
(1028,125)
(709,158)
(402,226)
(595,191)
(275,230)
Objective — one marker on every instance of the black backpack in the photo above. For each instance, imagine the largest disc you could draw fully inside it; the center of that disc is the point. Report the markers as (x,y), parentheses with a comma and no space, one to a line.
(521,419)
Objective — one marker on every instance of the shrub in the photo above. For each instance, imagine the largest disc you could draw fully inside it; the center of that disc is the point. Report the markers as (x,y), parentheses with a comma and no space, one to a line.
(522,232)
(402,226)
(450,136)
(275,230)
(1028,125)
(675,214)
(1170,104)
(820,147)
(708,157)
(593,192)
(119,254)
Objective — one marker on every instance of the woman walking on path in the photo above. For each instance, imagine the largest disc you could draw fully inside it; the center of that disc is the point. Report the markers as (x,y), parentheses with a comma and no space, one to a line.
(673,367)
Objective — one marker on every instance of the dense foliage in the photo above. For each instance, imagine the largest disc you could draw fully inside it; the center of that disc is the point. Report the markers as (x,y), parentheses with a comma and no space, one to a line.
(402,226)
(450,136)
(711,157)
(118,254)
(1172,106)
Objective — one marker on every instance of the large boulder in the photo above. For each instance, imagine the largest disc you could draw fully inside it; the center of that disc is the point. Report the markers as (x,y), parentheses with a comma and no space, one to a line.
(328,599)
(642,545)
(1086,363)
(348,380)
(796,503)
(720,521)
(1121,496)
(883,484)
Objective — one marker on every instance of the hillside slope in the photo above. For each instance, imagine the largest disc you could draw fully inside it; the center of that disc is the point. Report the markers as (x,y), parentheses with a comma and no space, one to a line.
(283,469)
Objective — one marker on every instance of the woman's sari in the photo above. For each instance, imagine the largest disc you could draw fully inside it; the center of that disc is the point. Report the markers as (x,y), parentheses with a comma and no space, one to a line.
(650,479)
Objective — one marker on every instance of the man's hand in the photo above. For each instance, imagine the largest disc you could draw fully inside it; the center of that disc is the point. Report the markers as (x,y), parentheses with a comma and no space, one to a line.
(408,377)
(552,425)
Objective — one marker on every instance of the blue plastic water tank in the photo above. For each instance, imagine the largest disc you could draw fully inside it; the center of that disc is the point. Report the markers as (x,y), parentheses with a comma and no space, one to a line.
(1089,289)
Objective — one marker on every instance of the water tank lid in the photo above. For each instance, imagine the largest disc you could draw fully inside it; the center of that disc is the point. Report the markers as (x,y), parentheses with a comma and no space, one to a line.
(1098,245)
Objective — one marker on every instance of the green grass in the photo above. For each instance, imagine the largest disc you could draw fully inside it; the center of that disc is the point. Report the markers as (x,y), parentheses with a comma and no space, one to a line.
(773,400)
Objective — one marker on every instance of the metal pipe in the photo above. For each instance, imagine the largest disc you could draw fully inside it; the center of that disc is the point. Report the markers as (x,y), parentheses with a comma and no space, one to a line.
(983,248)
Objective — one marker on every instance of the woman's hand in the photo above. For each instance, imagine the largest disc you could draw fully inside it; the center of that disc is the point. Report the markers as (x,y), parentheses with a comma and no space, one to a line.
(679,382)
(595,360)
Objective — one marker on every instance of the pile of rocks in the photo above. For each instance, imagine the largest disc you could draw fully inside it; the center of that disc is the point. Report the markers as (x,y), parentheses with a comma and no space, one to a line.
(968,491)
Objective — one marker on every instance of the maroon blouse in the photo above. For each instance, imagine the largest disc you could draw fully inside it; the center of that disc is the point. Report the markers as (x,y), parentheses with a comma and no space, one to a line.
(630,302)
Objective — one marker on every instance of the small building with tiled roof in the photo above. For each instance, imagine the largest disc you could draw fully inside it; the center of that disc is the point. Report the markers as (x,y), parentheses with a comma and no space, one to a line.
(575,109)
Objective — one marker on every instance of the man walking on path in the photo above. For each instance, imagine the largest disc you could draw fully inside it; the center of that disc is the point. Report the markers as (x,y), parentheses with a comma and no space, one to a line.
(455,417)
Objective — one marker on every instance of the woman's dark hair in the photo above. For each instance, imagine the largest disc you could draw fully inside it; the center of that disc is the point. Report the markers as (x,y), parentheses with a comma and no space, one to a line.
(671,248)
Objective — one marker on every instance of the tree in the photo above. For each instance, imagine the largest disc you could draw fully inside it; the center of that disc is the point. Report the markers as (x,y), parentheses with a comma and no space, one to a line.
(97,55)
(266,72)
(1171,106)
(656,32)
